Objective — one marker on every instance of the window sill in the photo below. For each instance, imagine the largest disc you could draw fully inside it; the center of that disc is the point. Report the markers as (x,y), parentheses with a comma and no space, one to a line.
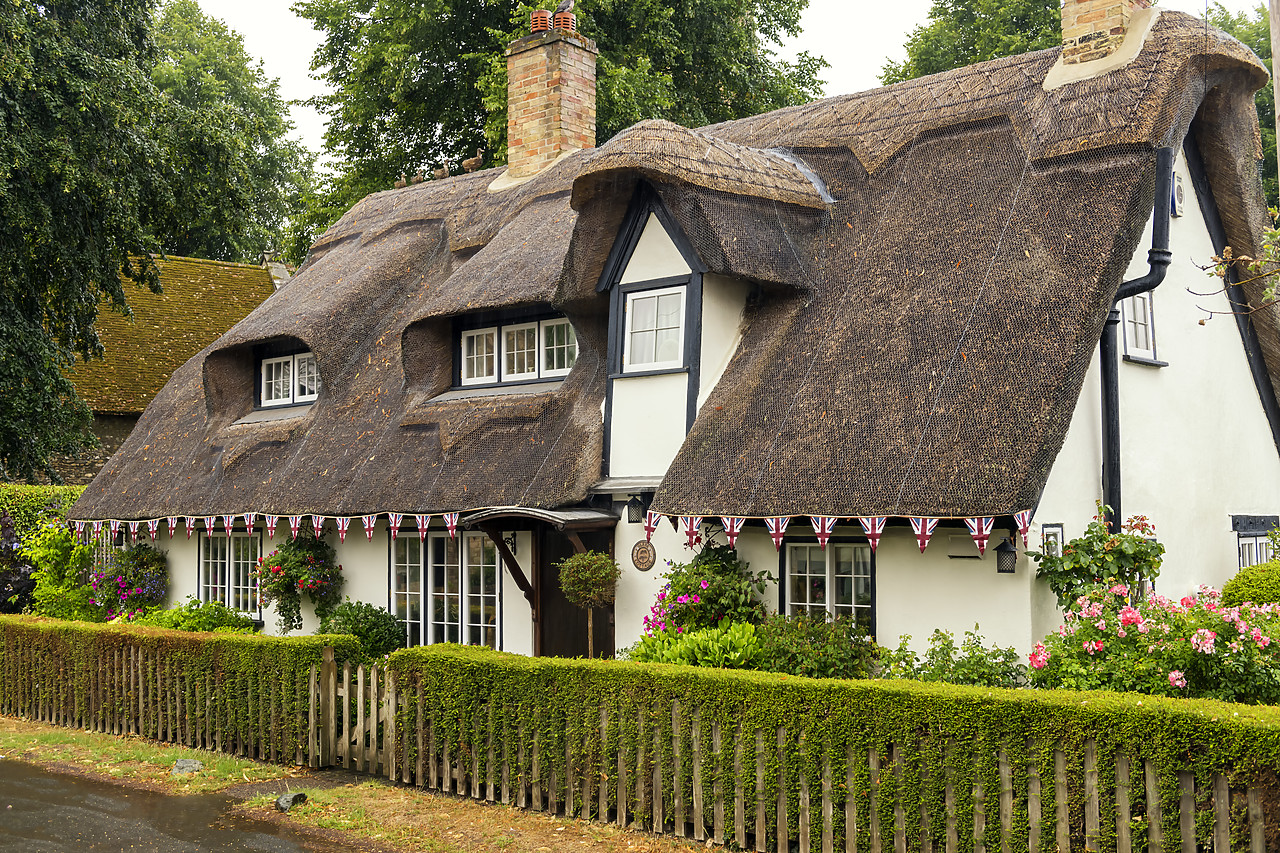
(665,371)
(498,389)
(275,413)
(1142,359)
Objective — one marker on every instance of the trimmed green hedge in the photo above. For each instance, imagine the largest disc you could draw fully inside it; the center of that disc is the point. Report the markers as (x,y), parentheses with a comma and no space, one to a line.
(473,694)
(25,504)
(1259,584)
(245,692)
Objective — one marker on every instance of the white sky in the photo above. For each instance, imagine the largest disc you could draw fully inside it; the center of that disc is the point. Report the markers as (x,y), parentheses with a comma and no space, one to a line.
(854,36)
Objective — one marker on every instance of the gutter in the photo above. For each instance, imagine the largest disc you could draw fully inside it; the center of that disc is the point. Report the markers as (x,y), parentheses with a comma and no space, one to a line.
(1158,259)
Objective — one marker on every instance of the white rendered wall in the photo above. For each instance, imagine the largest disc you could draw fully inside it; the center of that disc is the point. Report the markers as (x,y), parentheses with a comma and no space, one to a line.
(647,425)
(723,301)
(655,256)
(1195,444)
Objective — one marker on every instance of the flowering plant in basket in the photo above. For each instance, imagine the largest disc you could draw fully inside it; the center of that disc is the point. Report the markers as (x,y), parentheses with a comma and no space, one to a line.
(305,565)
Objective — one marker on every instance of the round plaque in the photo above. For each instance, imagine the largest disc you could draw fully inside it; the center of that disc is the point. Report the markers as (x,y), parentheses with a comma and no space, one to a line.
(643,556)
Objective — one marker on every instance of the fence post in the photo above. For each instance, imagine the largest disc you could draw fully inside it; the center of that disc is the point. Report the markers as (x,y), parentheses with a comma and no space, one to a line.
(328,689)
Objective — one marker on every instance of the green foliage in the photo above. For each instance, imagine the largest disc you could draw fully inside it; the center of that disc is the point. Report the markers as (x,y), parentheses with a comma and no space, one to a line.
(62,565)
(133,581)
(811,645)
(589,579)
(29,506)
(1194,647)
(1258,584)
(714,587)
(1255,31)
(975,664)
(377,629)
(730,646)
(1130,557)
(962,32)
(417,83)
(302,566)
(196,615)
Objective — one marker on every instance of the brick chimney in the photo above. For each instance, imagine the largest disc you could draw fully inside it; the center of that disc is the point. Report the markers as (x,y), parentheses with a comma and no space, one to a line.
(551,99)
(1093,29)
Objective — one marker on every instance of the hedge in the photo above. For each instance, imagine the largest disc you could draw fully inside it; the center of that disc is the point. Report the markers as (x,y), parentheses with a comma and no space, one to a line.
(26,504)
(1259,584)
(930,736)
(245,693)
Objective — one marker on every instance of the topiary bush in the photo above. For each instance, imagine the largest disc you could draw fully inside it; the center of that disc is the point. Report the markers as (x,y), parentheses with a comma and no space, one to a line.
(1259,584)
(714,587)
(380,633)
(973,663)
(589,580)
(195,615)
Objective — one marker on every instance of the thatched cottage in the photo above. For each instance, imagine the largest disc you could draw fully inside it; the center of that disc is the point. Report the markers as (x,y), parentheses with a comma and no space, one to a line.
(876,316)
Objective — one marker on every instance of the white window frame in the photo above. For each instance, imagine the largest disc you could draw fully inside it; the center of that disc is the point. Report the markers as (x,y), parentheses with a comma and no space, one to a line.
(227,571)
(1129,310)
(571,347)
(467,360)
(825,601)
(463,608)
(1254,548)
(1052,539)
(290,362)
(628,329)
(536,356)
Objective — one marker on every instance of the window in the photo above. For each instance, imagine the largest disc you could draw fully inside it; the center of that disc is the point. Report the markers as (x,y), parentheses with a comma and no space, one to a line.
(517,352)
(289,379)
(449,591)
(836,581)
(1255,548)
(655,330)
(1139,327)
(1051,540)
(227,566)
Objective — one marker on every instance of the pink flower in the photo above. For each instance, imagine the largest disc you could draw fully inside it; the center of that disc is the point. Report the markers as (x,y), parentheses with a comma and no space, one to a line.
(1119,589)
(1101,624)
(1202,641)
(705,584)
(1130,616)
(1187,601)
(696,600)
(1039,656)
(1177,679)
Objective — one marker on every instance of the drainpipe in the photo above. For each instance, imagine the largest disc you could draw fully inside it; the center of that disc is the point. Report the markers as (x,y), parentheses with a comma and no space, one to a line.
(1158,258)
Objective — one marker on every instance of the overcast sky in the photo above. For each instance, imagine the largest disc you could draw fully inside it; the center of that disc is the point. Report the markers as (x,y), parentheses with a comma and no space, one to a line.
(855,36)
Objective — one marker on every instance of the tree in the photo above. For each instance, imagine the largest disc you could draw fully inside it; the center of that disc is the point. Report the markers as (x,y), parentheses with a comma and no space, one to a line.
(81,186)
(962,32)
(1255,32)
(417,83)
(240,178)
(589,580)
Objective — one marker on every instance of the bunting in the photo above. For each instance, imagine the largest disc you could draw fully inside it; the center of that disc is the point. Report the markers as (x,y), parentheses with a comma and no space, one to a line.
(393,522)
(732,527)
(370,522)
(209,523)
(777,529)
(651,520)
(248,522)
(271,521)
(97,529)
(295,521)
(691,527)
(423,521)
(153,527)
(317,525)
(980,530)
(228,523)
(923,528)
(873,526)
(451,522)
(133,530)
(79,528)
(1023,520)
(115,529)
(173,525)
(823,525)
(189,522)
(343,523)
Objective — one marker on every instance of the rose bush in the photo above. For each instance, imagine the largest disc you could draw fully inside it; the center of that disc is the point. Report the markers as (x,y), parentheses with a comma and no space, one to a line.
(302,566)
(1195,647)
(1133,556)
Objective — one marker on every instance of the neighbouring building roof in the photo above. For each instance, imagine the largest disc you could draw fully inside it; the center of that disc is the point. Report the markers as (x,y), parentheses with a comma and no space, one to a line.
(936,260)
(201,301)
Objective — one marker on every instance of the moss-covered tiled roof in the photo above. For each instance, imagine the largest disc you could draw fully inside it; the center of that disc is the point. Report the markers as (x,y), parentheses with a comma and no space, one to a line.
(200,302)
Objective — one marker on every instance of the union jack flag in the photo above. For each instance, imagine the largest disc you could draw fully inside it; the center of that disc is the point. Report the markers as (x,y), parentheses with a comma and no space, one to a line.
(980,530)
(651,520)
(317,525)
(1023,519)
(133,530)
(210,522)
(873,526)
(451,522)
(295,521)
(423,521)
(173,525)
(189,522)
(79,527)
(777,528)
(923,528)
(370,521)
(97,528)
(153,526)
(272,521)
(343,523)
(393,521)
(228,522)
(732,527)
(691,527)
(822,526)
(248,522)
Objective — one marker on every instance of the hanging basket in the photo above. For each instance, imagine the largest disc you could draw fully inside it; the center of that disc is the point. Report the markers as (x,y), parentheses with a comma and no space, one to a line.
(566,21)
(541,20)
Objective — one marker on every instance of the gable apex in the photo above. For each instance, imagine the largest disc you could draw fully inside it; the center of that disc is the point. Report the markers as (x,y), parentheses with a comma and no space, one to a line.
(650,236)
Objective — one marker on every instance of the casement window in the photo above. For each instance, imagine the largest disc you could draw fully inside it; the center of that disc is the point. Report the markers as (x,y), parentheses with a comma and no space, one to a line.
(517,352)
(1255,548)
(288,380)
(1051,539)
(836,581)
(227,570)
(448,591)
(654,334)
(1139,327)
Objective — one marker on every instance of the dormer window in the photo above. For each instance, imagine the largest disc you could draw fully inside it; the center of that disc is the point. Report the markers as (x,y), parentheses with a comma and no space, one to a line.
(655,329)
(288,380)
(517,351)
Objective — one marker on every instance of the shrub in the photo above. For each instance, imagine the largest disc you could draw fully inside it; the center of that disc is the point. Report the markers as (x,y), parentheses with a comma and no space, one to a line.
(814,646)
(31,506)
(730,646)
(714,587)
(1194,647)
(16,583)
(589,580)
(136,580)
(1259,584)
(60,565)
(377,629)
(975,664)
(195,615)
(302,565)
(1131,557)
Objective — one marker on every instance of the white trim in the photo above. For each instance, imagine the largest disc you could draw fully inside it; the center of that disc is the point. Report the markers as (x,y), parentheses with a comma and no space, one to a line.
(534,355)
(264,383)
(471,334)
(571,347)
(226,574)
(455,594)
(1138,320)
(628,331)
(291,363)
(1254,548)
(299,361)
(824,593)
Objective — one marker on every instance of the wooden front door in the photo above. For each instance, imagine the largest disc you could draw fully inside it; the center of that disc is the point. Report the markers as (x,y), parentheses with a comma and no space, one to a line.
(562,627)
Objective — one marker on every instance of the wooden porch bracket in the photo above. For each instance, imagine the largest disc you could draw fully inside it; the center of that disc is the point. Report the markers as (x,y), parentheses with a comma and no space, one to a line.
(575,540)
(513,566)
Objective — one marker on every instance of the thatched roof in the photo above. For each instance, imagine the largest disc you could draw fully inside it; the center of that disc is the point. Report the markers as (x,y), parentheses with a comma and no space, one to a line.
(938,259)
